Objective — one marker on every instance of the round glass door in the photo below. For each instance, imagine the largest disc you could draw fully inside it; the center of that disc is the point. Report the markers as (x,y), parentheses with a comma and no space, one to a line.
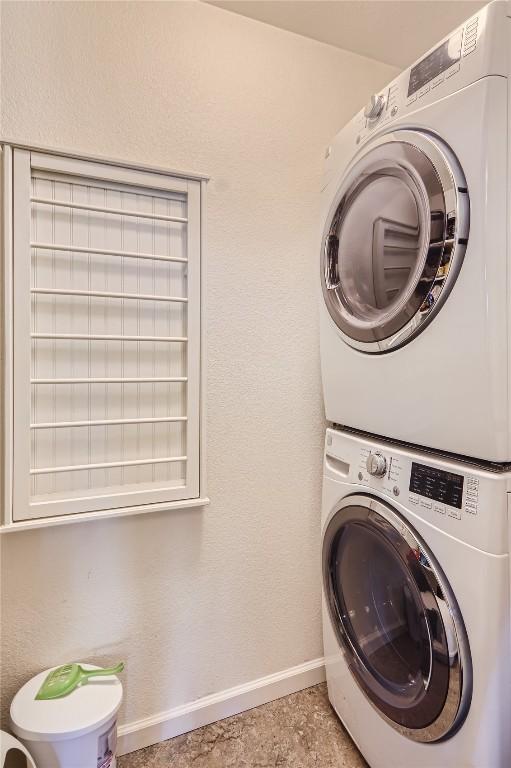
(394,241)
(396,620)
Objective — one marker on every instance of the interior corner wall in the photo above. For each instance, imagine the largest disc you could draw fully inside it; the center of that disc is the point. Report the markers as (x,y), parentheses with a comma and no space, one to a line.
(201,600)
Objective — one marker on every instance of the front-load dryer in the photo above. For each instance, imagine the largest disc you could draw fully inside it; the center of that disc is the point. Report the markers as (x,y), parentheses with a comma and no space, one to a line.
(415,231)
(416,604)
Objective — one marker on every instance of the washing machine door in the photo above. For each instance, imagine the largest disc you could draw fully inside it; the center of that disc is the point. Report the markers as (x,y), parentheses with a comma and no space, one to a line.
(396,619)
(394,240)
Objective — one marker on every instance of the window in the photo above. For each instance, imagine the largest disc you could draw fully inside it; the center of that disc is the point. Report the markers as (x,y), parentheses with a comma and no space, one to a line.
(102,337)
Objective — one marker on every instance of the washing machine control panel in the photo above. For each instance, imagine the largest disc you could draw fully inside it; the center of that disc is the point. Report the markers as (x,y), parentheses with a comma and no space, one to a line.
(417,484)
(436,484)
(471,502)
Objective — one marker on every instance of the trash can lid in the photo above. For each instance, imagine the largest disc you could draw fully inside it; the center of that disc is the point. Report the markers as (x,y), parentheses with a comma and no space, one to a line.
(88,707)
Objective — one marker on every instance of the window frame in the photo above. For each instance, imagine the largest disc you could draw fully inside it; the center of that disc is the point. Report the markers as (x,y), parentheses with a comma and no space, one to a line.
(18,162)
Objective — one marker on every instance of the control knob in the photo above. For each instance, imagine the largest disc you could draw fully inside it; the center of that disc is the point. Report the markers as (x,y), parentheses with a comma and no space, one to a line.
(376,464)
(374,107)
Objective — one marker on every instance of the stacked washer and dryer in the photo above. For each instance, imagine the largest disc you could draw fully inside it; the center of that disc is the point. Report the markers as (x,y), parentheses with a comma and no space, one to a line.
(416,367)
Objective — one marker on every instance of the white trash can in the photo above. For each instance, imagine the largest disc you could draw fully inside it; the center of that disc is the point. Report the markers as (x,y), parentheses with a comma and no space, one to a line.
(10,751)
(76,731)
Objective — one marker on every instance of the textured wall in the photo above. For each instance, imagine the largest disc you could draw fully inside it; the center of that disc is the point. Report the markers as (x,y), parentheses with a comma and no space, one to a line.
(202,600)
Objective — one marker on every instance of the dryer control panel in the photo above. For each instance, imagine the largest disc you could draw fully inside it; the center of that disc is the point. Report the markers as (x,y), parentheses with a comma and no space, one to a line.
(475,50)
(418,82)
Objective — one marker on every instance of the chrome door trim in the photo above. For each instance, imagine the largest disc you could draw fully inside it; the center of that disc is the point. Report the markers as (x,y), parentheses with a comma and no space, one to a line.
(459,693)
(442,261)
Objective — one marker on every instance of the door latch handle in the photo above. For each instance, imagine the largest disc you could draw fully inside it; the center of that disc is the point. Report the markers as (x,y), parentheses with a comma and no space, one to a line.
(332,280)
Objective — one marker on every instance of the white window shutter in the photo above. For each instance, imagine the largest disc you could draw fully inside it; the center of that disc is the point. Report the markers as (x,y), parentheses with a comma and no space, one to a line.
(107,337)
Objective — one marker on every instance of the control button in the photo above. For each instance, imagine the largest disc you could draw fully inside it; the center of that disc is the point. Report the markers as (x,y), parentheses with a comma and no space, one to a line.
(454,513)
(471,24)
(413,498)
(357,140)
(374,107)
(412,99)
(424,91)
(394,110)
(360,476)
(437,81)
(452,71)
(469,51)
(396,491)
(472,510)
(426,503)
(440,508)
(376,464)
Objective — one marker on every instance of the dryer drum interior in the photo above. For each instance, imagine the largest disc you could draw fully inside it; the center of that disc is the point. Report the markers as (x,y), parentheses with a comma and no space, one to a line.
(394,241)
(396,620)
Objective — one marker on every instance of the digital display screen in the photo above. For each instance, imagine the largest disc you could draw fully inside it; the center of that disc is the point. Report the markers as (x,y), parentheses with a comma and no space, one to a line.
(437,62)
(445,487)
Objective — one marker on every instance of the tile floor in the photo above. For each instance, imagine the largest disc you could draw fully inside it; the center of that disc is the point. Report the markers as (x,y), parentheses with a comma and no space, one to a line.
(298,731)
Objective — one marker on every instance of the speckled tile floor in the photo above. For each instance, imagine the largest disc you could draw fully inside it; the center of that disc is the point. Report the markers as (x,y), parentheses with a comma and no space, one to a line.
(298,731)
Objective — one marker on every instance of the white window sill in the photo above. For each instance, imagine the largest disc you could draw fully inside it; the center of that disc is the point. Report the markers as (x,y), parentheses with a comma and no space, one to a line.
(47,522)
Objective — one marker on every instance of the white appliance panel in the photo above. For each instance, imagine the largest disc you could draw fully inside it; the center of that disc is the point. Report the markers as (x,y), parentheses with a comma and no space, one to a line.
(478,579)
(447,388)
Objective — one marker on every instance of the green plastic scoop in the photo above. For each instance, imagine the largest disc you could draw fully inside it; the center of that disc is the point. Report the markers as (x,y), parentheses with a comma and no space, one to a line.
(65,679)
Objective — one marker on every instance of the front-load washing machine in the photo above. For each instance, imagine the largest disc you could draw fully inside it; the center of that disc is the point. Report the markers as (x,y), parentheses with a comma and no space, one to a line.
(416,604)
(415,233)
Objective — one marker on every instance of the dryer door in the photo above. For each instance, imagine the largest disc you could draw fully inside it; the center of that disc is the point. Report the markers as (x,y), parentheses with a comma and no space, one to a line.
(394,240)
(396,619)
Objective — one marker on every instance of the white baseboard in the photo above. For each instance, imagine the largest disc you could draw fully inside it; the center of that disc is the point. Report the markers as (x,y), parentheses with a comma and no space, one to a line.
(165,725)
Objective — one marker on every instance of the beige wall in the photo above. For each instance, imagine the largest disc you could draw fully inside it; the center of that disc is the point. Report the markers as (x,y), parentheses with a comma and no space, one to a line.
(195,601)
